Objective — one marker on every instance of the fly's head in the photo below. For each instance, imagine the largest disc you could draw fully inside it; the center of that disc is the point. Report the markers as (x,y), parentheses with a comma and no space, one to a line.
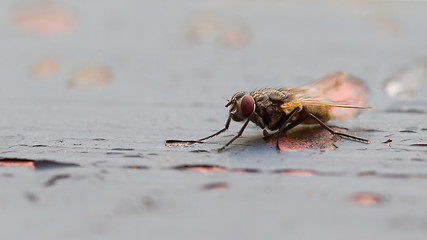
(242,105)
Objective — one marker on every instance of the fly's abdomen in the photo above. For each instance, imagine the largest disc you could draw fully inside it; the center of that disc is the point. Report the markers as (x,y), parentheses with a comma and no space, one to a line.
(322,113)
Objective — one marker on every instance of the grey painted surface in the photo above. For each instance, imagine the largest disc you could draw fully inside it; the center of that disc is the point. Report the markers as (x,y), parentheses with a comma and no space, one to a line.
(165,86)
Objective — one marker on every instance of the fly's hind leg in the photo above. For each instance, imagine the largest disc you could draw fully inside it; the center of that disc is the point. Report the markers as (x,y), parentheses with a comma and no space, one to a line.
(338,133)
(285,126)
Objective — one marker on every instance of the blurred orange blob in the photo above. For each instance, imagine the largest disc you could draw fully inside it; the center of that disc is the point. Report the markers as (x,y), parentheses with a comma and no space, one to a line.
(91,77)
(45,67)
(211,27)
(44,19)
(366,199)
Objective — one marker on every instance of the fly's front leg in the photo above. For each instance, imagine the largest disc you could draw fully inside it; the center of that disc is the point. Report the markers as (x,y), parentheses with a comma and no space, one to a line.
(338,133)
(227,124)
(235,137)
(257,120)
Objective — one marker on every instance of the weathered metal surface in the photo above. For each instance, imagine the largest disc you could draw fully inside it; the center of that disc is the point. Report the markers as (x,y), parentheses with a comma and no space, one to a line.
(170,77)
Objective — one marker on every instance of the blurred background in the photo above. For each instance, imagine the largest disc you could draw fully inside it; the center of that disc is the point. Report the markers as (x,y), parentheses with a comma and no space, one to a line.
(198,51)
(181,53)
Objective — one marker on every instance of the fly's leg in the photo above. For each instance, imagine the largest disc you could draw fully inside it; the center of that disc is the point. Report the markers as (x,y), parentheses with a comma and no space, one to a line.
(227,124)
(235,137)
(337,133)
(257,119)
(286,127)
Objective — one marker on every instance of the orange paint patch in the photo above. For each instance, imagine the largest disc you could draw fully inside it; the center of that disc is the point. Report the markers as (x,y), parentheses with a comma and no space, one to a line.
(304,137)
(33,164)
(18,163)
(44,19)
(297,172)
(366,199)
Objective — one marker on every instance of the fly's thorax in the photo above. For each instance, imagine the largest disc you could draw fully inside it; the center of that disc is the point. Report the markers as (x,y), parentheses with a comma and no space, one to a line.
(268,106)
(242,105)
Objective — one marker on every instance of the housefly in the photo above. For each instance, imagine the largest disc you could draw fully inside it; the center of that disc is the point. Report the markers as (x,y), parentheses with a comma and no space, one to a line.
(284,108)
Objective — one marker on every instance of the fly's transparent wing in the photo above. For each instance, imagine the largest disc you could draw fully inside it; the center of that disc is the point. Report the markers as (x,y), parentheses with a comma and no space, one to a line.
(336,91)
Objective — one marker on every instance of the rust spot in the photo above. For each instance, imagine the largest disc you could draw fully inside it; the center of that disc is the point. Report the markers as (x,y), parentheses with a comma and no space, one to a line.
(17,163)
(176,143)
(296,172)
(201,168)
(91,77)
(56,178)
(214,186)
(366,199)
(304,137)
(34,164)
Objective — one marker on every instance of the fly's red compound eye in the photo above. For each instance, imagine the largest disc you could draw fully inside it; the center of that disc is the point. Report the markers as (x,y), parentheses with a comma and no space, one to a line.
(247,106)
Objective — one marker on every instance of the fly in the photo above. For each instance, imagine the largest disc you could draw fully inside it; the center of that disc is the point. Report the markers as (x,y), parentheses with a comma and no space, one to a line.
(285,108)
